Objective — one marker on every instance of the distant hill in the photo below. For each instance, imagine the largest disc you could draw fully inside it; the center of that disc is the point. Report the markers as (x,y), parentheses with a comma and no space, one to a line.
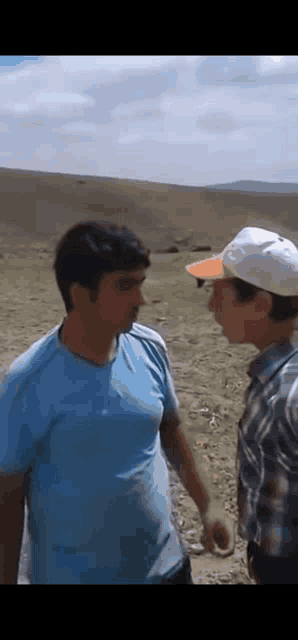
(255,186)
(244,186)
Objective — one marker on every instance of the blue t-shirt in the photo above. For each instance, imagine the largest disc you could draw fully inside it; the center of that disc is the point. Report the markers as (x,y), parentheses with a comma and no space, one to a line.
(87,436)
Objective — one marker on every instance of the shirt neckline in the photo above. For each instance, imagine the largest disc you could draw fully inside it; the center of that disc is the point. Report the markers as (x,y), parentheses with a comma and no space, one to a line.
(106,363)
(270,359)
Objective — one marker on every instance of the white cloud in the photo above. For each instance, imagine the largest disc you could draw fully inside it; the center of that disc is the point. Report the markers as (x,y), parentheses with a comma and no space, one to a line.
(276,64)
(120,64)
(80,127)
(47,102)
(45,151)
(128,138)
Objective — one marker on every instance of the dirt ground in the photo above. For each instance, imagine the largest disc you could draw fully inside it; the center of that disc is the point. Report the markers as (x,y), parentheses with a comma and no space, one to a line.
(209,375)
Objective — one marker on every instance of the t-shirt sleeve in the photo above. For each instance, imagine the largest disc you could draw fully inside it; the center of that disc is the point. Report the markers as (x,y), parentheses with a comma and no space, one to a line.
(15,434)
(171,402)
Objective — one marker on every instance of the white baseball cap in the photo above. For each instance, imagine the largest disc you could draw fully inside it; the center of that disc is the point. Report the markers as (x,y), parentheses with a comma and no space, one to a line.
(258,256)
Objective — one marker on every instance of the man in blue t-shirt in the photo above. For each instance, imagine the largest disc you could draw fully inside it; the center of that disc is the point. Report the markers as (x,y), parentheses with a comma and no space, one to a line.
(85,414)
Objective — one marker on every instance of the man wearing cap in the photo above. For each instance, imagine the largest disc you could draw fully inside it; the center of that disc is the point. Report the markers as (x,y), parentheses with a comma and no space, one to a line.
(255,299)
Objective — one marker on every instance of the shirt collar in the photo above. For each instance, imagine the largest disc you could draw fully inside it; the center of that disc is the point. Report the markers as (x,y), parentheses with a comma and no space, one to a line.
(270,359)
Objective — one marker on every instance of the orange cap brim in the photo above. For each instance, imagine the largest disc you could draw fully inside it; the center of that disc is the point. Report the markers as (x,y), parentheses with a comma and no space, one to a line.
(211,268)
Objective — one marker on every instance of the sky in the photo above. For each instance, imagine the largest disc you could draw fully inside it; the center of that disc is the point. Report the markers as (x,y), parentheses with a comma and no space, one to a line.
(186,120)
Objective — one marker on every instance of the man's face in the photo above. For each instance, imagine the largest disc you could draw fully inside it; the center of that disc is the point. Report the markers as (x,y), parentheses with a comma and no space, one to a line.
(240,322)
(118,301)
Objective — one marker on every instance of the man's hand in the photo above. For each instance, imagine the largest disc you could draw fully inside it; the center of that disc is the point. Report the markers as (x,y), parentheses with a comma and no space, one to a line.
(219,531)
(218,537)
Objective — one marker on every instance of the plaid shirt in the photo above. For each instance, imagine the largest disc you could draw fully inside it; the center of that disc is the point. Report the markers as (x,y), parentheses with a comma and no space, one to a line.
(267,460)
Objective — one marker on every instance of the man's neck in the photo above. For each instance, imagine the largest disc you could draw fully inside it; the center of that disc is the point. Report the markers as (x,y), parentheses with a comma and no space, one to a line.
(70,339)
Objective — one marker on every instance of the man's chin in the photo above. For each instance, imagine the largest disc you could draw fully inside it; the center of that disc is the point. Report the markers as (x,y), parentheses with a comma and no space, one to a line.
(232,339)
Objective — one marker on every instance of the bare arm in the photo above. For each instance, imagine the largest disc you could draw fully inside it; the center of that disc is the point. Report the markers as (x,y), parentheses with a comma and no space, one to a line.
(180,457)
(11,526)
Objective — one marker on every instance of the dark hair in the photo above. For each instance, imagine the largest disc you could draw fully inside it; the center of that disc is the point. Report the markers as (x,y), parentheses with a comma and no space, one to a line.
(283,308)
(89,250)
